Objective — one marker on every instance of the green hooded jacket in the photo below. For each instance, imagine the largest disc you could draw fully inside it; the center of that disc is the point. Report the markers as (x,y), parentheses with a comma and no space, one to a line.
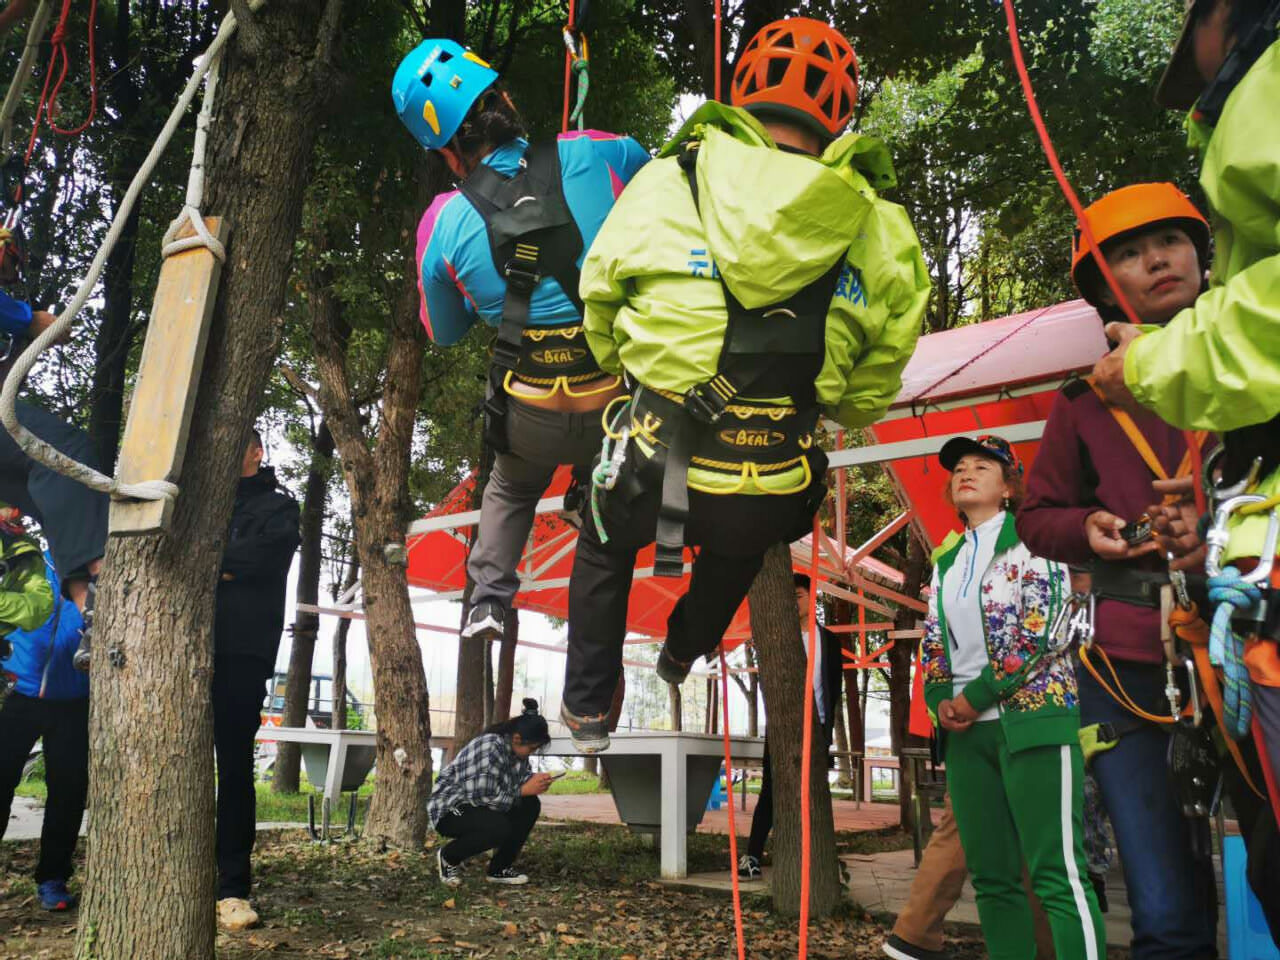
(26,597)
(774,222)
(1216,365)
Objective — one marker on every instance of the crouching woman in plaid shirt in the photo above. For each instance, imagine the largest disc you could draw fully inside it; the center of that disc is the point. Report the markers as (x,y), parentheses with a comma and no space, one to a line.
(487,798)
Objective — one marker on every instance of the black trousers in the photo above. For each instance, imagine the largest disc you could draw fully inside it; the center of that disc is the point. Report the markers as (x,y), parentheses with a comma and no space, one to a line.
(477,829)
(1258,829)
(732,533)
(64,727)
(239,688)
(762,818)
(72,517)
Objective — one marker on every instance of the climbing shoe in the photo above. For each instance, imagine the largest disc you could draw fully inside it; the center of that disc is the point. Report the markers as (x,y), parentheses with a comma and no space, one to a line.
(670,669)
(749,867)
(82,655)
(450,873)
(484,621)
(508,875)
(235,914)
(55,897)
(899,949)
(590,734)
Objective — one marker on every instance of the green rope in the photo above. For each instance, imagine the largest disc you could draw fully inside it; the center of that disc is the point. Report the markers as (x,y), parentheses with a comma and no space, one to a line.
(580,68)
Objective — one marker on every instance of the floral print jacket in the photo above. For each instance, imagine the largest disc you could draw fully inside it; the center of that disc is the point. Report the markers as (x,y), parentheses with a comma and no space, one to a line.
(1029,676)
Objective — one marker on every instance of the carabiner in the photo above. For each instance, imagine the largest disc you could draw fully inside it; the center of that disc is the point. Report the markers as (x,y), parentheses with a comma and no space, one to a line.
(1178,580)
(1218,493)
(1193,690)
(1218,535)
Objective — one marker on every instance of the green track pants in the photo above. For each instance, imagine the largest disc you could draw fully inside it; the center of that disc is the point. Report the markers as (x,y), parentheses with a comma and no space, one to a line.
(1016,808)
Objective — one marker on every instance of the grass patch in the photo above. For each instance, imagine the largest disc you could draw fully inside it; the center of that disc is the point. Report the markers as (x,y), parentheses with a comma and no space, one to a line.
(36,789)
(576,782)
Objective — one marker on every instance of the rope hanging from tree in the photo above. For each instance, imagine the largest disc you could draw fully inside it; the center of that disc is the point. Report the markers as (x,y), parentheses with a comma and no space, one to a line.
(33,446)
(22,74)
(47,107)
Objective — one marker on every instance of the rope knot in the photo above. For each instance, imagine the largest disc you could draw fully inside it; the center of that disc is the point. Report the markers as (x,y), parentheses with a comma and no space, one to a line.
(1226,648)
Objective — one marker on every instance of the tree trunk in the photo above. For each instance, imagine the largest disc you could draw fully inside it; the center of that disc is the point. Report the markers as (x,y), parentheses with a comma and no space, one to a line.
(857,728)
(339,706)
(488,683)
(297,691)
(842,749)
(900,679)
(677,706)
(149,890)
(775,627)
(507,667)
(473,656)
(377,478)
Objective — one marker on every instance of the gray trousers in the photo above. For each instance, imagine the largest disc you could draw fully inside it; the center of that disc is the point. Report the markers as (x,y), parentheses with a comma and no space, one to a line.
(540,441)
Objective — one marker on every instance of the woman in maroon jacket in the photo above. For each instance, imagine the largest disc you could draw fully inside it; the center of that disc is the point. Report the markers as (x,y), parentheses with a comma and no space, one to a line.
(1092,476)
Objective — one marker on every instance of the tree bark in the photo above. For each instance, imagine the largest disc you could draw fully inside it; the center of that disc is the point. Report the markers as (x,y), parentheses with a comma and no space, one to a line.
(339,706)
(900,678)
(306,626)
(776,629)
(677,706)
(377,481)
(149,889)
(842,751)
(507,667)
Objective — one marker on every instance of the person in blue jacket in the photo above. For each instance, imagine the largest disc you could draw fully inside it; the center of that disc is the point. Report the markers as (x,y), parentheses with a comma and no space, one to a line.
(72,517)
(50,702)
(503,251)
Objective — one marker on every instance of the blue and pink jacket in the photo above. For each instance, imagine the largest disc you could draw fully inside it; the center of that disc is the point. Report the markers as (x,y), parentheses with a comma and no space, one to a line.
(456,275)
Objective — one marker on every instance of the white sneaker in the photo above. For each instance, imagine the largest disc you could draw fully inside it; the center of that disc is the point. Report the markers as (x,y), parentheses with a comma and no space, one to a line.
(484,621)
(235,914)
(450,874)
(509,876)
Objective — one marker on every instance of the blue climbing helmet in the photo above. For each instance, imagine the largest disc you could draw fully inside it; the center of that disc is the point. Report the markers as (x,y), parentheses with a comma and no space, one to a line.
(435,86)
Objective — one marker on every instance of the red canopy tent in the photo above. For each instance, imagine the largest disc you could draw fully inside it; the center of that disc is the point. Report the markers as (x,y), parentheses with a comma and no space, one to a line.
(995,377)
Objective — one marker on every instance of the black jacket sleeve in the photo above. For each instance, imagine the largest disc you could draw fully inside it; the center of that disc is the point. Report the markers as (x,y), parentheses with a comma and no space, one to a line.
(266,550)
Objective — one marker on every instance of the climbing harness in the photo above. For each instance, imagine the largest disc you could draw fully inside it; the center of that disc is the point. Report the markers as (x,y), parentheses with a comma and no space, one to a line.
(33,446)
(532,235)
(774,350)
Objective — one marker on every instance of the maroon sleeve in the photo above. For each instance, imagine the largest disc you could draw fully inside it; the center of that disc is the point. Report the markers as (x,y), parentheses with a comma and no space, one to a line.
(1051,518)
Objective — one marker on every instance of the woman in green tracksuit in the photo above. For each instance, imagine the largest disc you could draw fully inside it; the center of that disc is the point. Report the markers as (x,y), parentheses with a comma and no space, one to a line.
(999,684)
(770,283)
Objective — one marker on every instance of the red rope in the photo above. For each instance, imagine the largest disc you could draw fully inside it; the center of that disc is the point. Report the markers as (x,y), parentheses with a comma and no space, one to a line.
(719,55)
(806,758)
(568,69)
(1065,185)
(1268,774)
(47,106)
(728,790)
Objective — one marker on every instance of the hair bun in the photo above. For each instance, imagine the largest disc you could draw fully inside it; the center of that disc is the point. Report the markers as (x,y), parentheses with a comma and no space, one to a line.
(530,707)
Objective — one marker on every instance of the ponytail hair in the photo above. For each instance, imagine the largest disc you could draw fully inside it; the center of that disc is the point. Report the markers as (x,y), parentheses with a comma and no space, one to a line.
(530,724)
(492,122)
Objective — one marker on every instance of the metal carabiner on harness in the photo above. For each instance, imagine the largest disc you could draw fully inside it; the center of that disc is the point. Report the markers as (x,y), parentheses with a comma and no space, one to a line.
(1075,619)
(1214,490)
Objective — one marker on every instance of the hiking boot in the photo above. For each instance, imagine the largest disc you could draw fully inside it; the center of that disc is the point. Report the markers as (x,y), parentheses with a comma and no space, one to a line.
(450,873)
(484,621)
(899,949)
(235,914)
(81,658)
(55,897)
(590,734)
(508,875)
(670,669)
(749,867)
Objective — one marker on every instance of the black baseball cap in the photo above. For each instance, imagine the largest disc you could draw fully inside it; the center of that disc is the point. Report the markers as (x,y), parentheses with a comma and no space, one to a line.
(987,445)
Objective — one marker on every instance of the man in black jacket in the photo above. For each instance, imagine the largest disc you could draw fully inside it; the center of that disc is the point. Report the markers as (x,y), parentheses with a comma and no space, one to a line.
(248,622)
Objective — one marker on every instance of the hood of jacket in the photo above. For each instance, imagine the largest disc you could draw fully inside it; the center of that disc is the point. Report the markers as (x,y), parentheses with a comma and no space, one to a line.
(755,198)
(264,481)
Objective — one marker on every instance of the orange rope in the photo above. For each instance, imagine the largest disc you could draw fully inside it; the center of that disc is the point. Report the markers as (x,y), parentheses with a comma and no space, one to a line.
(806,758)
(718,54)
(728,790)
(47,105)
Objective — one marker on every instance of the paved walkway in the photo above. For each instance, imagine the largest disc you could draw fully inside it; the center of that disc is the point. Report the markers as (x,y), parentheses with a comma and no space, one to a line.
(599,808)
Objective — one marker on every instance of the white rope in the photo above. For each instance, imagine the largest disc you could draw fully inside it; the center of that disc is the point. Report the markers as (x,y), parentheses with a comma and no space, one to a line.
(22,76)
(32,445)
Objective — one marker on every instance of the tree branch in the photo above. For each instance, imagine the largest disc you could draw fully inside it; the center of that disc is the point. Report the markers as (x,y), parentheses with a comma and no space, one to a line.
(253,38)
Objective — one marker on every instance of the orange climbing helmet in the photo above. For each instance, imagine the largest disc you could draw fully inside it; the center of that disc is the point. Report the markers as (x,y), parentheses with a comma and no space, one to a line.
(1137,207)
(801,71)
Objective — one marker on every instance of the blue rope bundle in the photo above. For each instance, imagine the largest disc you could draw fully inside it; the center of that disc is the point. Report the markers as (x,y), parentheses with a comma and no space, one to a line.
(1226,649)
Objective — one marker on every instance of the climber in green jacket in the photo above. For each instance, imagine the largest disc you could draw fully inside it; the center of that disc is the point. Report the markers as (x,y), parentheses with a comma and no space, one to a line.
(772,285)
